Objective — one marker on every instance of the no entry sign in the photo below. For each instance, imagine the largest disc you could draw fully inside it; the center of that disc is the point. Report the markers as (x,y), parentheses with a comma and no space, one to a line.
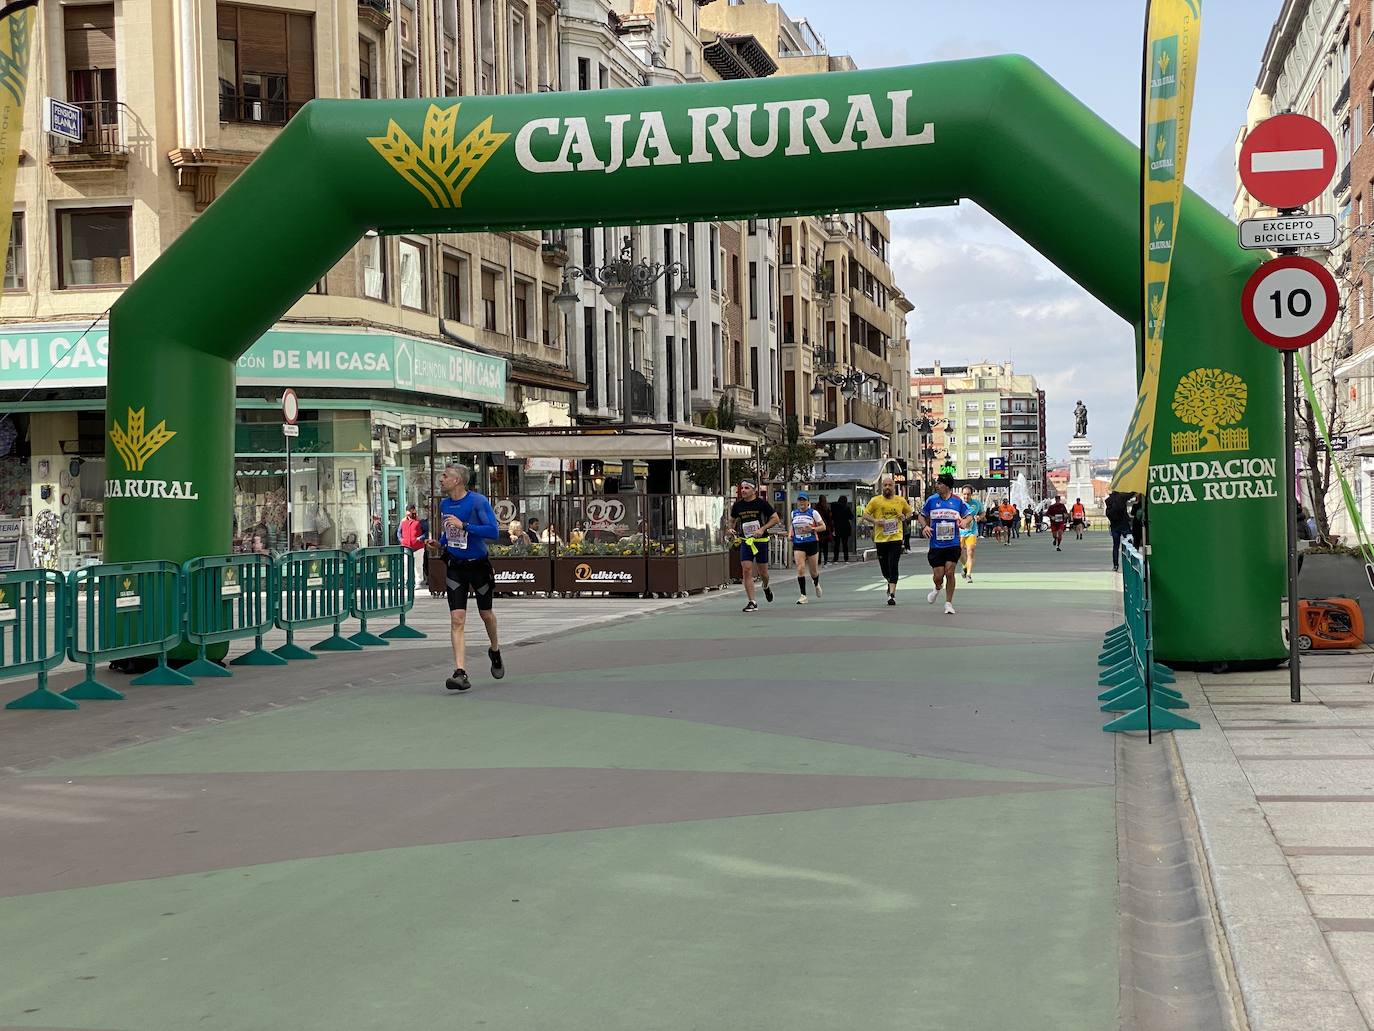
(1290,302)
(1287,160)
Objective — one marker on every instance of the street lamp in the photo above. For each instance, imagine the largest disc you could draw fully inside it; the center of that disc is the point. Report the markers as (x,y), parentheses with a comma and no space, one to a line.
(627,285)
(926,426)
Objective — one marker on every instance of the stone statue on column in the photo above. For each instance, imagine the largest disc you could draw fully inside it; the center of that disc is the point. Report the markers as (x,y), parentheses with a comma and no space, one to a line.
(1080,420)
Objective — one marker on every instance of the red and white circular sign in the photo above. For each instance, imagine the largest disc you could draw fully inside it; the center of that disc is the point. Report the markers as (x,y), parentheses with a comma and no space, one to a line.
(1287,160)
(1290,302)
(290,407)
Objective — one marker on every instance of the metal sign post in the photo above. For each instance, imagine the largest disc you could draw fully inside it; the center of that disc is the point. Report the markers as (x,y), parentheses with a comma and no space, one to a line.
(290,412)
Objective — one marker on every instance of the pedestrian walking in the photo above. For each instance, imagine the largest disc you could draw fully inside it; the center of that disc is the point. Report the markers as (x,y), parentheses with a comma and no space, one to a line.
(1119,519)
(468,525)
(828,534)
(413,534)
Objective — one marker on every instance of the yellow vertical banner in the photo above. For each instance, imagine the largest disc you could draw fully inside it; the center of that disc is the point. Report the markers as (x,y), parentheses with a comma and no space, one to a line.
(1172,31)
(16,32)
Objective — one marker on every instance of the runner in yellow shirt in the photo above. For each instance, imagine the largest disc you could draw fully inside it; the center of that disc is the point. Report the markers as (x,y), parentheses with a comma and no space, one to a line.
(888,512)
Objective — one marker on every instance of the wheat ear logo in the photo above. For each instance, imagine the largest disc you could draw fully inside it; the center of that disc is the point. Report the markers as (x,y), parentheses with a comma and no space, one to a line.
(1164,61)
(442,167)
(134,445)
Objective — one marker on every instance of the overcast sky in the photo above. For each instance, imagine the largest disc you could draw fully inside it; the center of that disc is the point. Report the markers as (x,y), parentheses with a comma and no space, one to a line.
(971,279)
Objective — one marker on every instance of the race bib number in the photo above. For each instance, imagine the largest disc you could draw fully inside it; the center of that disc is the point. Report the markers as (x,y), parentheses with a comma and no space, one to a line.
(888,526)
(456,538)
(801,527)
(752,528)
(945,531)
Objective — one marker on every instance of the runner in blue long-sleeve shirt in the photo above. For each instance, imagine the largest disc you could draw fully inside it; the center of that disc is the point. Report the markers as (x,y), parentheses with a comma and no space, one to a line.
(468,523)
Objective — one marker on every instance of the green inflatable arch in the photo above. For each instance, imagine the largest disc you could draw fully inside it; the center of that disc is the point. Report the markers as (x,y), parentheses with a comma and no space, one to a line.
(997,131)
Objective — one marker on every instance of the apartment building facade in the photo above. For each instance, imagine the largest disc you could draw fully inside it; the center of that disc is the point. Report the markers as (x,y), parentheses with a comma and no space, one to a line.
(989,411)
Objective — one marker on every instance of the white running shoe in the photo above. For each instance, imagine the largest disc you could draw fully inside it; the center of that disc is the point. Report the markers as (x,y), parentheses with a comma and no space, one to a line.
(949,609)
(801,600)
(930,598)
(818,591)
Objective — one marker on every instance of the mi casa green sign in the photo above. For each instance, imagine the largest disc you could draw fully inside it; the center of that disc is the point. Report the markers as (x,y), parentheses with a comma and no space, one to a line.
(994,130)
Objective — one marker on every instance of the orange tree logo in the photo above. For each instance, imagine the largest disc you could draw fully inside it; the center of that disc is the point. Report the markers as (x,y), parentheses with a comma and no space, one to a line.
(1214,401)
(135,446)
(441,167)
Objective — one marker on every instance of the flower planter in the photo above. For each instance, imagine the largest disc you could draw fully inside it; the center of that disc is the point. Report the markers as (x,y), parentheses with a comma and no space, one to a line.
(523,575)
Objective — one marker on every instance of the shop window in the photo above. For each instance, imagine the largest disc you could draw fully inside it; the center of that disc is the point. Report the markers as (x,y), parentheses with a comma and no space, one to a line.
(413,275)
(522,310)
(16,260)
(373,254)
(456,288)
(93,247)
(266,63)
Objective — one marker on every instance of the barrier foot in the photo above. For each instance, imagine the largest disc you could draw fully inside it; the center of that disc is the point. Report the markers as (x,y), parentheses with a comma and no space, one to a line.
(41,698)
(364,639)
(92,691)
(1136,697)
(1114,656)
(162,675)
(404,633)
(1162,674)
(1117,690)
(290,650)
(259,656)
(203,667)
(1156,718)
(1117,633)
(337,643)
(1118,674)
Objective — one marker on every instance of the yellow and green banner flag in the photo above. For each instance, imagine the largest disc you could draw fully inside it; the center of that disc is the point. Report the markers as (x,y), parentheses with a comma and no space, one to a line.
(16,31)
(1172,32)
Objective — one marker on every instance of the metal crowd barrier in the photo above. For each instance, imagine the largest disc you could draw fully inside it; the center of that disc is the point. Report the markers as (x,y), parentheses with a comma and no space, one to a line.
(229,598)
(1136,684)
(124,611)
(33,633)
(383,585)
(313,589)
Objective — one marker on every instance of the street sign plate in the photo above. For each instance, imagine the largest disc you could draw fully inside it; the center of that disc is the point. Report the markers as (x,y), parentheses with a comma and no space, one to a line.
(61,119)
(1287,160)
(1340,442)
(1265,234)
(290,407)
(1290,302)
(290,429)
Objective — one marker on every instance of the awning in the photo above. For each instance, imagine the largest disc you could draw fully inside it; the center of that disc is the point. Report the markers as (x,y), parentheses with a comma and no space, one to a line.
(849,433)
(605,443)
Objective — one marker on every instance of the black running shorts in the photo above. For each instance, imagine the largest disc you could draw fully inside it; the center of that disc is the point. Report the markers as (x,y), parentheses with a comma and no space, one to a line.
(475,575)
(807,548)
(939,557)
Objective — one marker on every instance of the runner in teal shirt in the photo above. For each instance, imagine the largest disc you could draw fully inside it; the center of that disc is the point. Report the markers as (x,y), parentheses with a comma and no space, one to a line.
(968,536)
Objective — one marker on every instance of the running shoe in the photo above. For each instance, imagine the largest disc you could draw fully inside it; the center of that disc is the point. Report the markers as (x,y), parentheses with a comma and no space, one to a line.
(930,598)
(892,599)
(818,592)
(498,667)
(459,681)
(949,609)
(801,600)
(751,607)
(768,592)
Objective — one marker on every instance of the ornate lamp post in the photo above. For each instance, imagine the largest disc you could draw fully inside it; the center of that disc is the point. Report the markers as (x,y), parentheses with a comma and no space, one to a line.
(628,286)
(926,426)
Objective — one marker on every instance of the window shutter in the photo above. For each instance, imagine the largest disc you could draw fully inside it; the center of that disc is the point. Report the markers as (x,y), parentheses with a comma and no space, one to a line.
(90,36)
(262,41)
(227,18)
(300,73)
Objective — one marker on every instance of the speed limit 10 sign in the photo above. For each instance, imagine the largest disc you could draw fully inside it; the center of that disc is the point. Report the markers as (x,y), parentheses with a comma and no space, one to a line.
(1290,302)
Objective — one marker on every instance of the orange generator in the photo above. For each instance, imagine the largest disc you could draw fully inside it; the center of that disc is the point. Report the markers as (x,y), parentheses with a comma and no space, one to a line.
(1329,623)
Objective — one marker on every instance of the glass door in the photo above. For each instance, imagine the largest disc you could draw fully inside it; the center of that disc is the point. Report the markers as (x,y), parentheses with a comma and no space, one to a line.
(393,502)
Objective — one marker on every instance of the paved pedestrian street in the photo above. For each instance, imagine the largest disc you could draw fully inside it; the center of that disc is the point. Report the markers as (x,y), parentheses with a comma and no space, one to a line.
(839,816)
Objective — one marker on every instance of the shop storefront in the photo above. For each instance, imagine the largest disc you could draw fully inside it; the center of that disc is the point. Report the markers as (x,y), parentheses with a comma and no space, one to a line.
(369,404)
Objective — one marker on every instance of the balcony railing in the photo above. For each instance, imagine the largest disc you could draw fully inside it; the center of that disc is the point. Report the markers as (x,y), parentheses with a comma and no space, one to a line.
(381,6)
(102,134)
(233,108)
(1342,181)
(1342,96)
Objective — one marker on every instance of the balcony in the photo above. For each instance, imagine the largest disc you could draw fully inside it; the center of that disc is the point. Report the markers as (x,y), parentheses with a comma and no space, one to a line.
(554,247)
(376,13)
(1342,97)
(256,110)
(102,148)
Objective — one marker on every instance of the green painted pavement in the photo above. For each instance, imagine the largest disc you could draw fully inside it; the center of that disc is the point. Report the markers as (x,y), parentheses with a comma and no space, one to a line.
(404,731)
(989,913)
